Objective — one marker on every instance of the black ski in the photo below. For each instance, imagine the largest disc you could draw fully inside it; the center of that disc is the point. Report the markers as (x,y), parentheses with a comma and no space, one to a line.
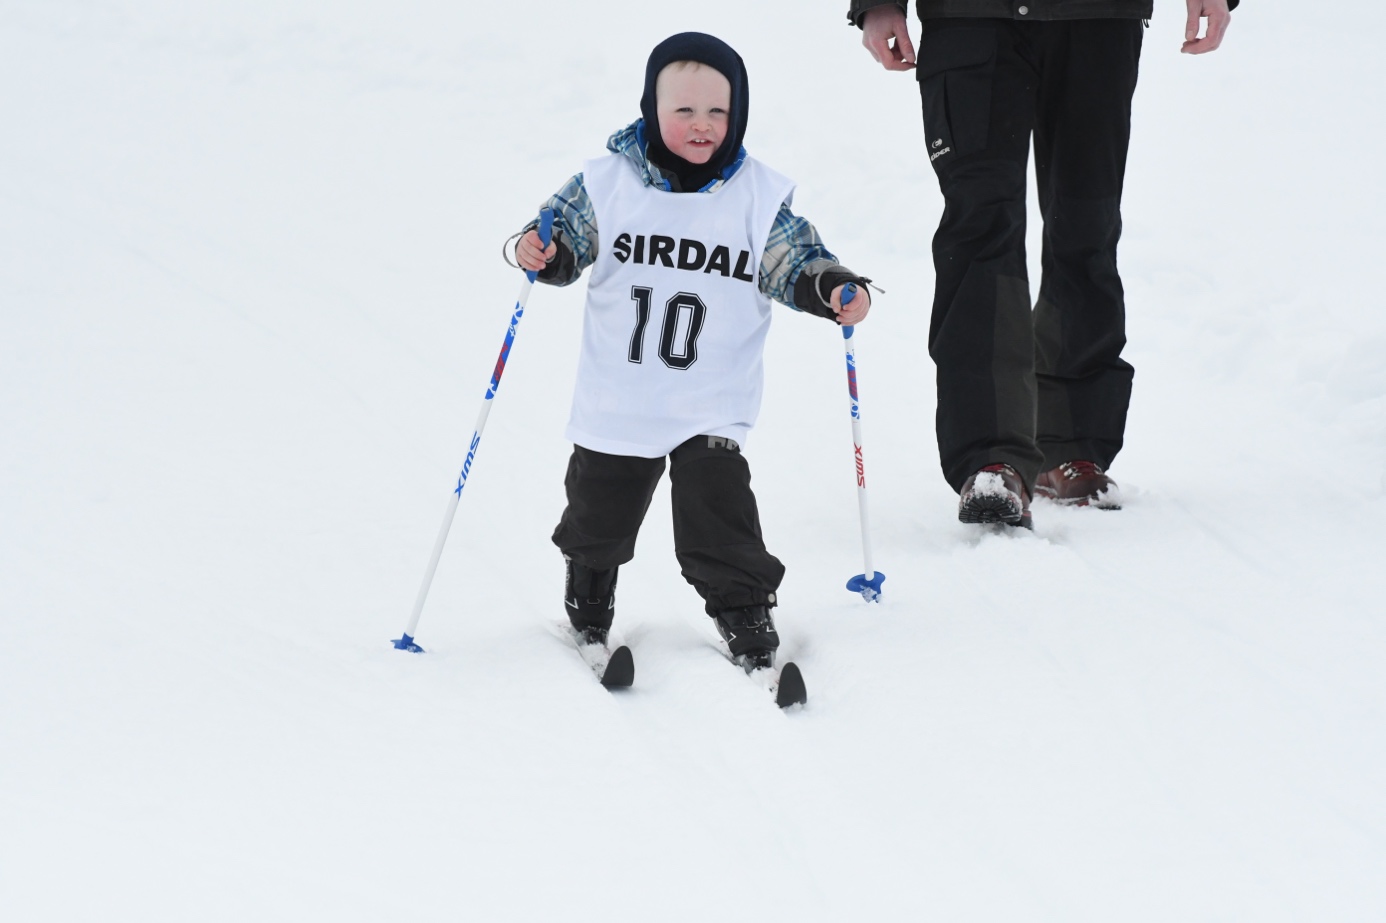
(786,684)
(614,669)
(620,669)
(789,686)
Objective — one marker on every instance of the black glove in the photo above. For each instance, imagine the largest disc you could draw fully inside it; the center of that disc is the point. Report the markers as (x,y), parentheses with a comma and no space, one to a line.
(813,292)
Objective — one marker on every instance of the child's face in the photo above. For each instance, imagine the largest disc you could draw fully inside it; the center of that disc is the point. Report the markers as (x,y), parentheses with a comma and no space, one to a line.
(693,105)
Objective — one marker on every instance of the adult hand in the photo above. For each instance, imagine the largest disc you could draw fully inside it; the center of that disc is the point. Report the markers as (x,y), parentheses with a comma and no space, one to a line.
(1215,11)
(530,253)
(885,23)
(856,309)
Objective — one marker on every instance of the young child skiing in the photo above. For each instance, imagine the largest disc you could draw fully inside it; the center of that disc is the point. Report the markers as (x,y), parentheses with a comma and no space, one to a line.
(688,239)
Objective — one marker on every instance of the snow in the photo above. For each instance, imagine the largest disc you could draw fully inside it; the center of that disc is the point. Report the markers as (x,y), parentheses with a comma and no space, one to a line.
(250,294)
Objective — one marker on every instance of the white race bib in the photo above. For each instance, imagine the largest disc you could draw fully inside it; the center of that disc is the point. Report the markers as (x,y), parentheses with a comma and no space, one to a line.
(675,325)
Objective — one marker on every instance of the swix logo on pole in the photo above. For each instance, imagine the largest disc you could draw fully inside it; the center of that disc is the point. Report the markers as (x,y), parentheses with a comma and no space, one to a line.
(467,464)
(861,467)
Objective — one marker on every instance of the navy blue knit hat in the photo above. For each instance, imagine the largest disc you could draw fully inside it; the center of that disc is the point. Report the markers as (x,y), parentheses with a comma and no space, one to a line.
(717,54)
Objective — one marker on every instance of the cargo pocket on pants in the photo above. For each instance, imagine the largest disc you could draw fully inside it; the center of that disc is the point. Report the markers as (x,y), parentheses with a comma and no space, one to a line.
(955,71)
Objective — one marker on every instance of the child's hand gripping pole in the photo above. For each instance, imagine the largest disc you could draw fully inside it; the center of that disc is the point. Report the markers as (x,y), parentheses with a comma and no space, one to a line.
(869,583)
(406,643)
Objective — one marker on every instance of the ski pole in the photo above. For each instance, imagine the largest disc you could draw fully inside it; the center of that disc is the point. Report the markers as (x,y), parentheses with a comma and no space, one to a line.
(406,643)
(868,584)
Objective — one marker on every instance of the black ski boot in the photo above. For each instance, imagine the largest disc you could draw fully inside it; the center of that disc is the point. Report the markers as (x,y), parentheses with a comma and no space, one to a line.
(750,635)
(590,598)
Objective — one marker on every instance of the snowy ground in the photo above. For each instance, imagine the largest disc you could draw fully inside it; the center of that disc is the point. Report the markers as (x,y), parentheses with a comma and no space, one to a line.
(250,292)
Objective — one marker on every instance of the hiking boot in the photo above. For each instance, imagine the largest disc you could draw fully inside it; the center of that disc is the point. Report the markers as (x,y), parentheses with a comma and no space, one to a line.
(750,635)
(995,494)
(1079,483)
(590,598)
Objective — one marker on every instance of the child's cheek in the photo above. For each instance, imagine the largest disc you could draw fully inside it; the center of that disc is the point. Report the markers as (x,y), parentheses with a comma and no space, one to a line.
(671,135)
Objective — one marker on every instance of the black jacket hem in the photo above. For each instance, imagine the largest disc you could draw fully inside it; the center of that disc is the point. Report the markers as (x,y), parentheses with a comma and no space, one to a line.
(1037,10)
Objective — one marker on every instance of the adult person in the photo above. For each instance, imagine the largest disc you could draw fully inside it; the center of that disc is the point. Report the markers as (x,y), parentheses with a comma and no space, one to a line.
(1027,401)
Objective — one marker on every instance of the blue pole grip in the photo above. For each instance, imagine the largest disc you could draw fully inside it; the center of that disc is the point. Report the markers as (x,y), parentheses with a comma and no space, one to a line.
(545,226)
(848,293)
(545,230)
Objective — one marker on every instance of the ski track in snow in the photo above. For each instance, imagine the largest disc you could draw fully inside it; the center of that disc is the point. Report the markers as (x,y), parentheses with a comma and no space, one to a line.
(250,295)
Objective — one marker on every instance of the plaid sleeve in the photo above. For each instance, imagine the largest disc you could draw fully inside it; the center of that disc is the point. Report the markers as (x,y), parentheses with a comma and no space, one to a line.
(793,244)
(575,226)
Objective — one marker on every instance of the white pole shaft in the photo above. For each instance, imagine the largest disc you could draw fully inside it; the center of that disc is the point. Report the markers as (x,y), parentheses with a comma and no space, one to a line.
(849,335)
(471,454)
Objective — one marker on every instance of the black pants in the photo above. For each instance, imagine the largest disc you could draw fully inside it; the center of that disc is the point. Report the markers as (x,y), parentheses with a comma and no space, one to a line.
(1031,390)
(716,526)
